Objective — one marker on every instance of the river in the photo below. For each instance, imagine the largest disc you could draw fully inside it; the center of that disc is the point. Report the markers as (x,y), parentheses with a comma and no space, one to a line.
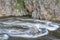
(9,23)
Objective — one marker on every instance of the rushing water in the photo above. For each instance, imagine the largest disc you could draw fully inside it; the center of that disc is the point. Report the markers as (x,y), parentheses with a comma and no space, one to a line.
(27,29)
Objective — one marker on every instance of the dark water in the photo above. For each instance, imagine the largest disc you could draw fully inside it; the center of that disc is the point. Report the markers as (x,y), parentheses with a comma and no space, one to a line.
(53,35)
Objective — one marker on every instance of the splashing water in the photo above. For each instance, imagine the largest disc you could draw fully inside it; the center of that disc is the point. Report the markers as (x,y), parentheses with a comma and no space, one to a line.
(27,28)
